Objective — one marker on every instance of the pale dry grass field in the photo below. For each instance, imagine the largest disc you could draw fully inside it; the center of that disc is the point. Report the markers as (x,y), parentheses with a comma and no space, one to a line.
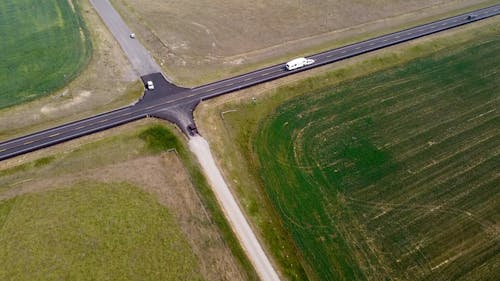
(200,41)
(107,82)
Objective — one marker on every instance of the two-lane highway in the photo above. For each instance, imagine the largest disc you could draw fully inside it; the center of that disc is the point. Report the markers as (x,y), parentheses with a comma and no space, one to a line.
(330,56)
(186,99)
(66,132)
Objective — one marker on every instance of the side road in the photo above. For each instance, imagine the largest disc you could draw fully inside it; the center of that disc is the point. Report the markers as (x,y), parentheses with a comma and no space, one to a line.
(199,146)
(141,60)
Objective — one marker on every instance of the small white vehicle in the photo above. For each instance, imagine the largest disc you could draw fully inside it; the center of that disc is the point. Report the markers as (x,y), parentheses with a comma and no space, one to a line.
(150,85)
(298,62)
(132,35)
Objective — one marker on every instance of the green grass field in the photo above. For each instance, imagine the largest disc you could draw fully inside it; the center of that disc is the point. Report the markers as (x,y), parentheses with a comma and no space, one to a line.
(44,46)
(393,176)
(92,231)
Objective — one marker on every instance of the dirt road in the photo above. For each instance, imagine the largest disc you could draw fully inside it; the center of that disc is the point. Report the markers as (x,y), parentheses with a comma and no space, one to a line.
(248,240)
(142,62)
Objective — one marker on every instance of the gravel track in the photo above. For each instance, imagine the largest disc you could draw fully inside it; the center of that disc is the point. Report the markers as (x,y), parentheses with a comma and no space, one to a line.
(199,146)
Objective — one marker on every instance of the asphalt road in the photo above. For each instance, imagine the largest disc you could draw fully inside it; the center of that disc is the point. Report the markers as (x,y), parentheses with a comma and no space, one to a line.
(177,105)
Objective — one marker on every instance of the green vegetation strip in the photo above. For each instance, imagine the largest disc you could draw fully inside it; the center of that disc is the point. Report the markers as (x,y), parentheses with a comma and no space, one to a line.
(44,46)
(158,138)
(92,231)
(394,175)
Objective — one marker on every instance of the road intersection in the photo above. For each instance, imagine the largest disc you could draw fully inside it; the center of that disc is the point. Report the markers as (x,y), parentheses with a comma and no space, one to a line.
(176,104)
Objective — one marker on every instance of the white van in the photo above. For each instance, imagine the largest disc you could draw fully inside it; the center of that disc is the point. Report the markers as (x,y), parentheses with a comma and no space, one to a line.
(298,62)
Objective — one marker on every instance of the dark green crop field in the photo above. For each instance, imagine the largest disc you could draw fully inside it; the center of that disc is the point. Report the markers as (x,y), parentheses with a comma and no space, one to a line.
(44,44)
(394,176)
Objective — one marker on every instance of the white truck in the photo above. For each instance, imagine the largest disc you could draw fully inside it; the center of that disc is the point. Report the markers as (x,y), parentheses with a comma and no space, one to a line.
(298,62)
